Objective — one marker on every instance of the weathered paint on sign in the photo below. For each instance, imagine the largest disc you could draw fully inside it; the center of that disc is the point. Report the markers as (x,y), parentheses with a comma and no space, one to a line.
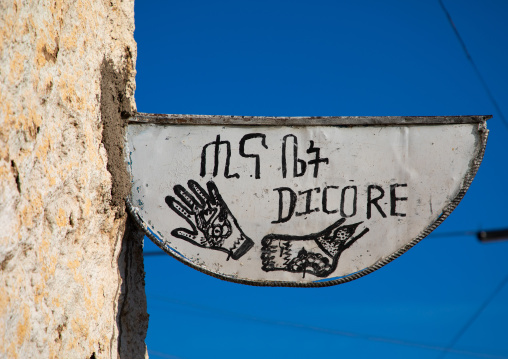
(312,205)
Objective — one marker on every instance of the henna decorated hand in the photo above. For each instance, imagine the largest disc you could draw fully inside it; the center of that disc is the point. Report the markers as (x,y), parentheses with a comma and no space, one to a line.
(317,253)
(213,225)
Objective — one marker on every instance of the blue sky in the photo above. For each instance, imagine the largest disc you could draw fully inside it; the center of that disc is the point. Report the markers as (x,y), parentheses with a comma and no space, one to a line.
(336,58)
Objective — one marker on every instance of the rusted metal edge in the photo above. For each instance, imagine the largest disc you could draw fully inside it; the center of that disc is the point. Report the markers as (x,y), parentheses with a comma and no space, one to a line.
(468,179)
(160,119)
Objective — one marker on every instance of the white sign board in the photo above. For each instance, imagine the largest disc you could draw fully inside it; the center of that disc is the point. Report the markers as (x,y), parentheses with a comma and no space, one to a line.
(268,201)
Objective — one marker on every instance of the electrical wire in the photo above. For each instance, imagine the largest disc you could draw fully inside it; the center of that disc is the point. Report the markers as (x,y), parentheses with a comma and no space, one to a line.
(243,317)
(473,318)
(473,64)
(153,253)
(454,234)
(482,307)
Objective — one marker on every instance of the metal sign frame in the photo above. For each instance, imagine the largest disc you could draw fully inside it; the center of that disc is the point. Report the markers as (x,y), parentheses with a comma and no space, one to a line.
(401,121)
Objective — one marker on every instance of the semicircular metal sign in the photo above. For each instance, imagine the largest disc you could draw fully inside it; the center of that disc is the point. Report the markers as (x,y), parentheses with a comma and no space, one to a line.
(297,201)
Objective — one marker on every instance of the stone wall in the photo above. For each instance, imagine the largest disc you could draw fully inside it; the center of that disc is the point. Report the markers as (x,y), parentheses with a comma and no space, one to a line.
(71,275)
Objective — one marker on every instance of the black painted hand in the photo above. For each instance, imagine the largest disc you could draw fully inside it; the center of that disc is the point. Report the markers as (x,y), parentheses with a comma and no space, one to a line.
(213,225)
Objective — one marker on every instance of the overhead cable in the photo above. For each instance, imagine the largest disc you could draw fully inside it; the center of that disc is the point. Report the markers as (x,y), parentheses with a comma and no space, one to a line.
(473,64)
(473,318)
(319,329)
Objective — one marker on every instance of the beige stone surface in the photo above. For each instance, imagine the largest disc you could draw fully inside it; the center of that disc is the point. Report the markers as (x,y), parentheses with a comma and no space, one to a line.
(66,79)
